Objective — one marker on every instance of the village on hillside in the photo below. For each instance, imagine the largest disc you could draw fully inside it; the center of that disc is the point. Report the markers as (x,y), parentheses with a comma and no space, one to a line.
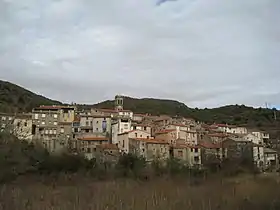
(106,134)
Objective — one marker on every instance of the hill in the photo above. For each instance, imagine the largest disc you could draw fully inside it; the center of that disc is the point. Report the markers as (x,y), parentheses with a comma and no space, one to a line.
(261,118)
(14,98)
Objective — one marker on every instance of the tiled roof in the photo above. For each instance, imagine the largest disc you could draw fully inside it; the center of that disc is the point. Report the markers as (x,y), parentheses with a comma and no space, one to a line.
(180,125)
(132,131)
(93,138)
(151,141)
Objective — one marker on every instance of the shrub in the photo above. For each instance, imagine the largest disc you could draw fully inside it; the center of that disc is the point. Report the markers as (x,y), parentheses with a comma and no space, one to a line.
(130,165)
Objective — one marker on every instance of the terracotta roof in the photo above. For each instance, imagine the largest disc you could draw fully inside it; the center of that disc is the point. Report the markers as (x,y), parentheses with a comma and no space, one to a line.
(151,141)
(108,146)
(93,138)
(141,125)
(132,131)
(165,131)
(180,125)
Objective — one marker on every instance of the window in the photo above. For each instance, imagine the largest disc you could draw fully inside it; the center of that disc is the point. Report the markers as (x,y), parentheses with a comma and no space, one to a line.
(87,130)
(3,118)
(43,115)
(43,123)
(191,149)
(88,150)
(46,131)
(145,128)
(196,158)
(196,150)
(55,116)
(136,135)
(96,129)
(25,124)
(54,131)
(86,123)
(76,130)
(61,130)
(36,116)
(96,122)
(51,131)
(180,153)
(55,123)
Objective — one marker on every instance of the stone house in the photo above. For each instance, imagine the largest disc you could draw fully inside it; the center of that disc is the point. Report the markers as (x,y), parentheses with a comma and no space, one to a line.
(211,153)
(88,145)
(150,149)
(187,154)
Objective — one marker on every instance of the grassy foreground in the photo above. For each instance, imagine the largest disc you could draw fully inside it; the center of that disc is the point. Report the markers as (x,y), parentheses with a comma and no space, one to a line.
(79,192)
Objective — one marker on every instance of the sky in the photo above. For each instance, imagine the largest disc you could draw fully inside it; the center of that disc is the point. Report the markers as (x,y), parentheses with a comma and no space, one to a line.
(205,53)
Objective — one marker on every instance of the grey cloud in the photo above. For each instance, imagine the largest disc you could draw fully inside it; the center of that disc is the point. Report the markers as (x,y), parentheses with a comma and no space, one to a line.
(199,52)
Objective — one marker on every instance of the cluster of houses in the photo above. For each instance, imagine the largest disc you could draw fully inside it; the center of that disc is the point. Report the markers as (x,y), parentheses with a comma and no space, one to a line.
(106,133)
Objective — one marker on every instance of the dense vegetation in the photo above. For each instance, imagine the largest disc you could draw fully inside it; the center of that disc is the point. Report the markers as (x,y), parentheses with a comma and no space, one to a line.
(70,182)
(14,98)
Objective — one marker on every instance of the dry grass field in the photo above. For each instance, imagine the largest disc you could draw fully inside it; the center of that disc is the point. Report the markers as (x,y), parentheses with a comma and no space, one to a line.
(78,192)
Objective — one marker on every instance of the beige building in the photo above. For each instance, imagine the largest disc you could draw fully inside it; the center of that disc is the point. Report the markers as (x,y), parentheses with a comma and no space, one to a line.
(168,135)
(187,154)
(22,127)
(88,145)
(142,127)
(51,126)
(123,139)
(150,149)
(230,128)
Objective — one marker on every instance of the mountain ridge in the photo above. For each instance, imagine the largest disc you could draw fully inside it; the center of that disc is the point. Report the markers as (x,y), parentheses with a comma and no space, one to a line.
(14,98)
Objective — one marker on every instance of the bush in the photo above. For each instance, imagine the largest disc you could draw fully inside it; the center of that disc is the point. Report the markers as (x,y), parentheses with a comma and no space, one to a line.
(130,165)
(18,157)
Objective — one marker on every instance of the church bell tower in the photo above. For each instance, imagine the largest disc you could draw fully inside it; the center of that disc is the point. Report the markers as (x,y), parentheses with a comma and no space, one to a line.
(118,102)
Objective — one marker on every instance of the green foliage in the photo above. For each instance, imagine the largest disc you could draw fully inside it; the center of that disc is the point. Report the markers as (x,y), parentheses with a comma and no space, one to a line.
(130,165)
(63,163)
(14,98)
(18,157)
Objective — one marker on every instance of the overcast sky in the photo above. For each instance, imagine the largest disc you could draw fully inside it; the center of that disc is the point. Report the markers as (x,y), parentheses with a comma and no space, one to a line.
(205,53)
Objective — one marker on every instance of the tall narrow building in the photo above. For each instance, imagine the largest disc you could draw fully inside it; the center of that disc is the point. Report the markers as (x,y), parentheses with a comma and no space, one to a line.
(119,102)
